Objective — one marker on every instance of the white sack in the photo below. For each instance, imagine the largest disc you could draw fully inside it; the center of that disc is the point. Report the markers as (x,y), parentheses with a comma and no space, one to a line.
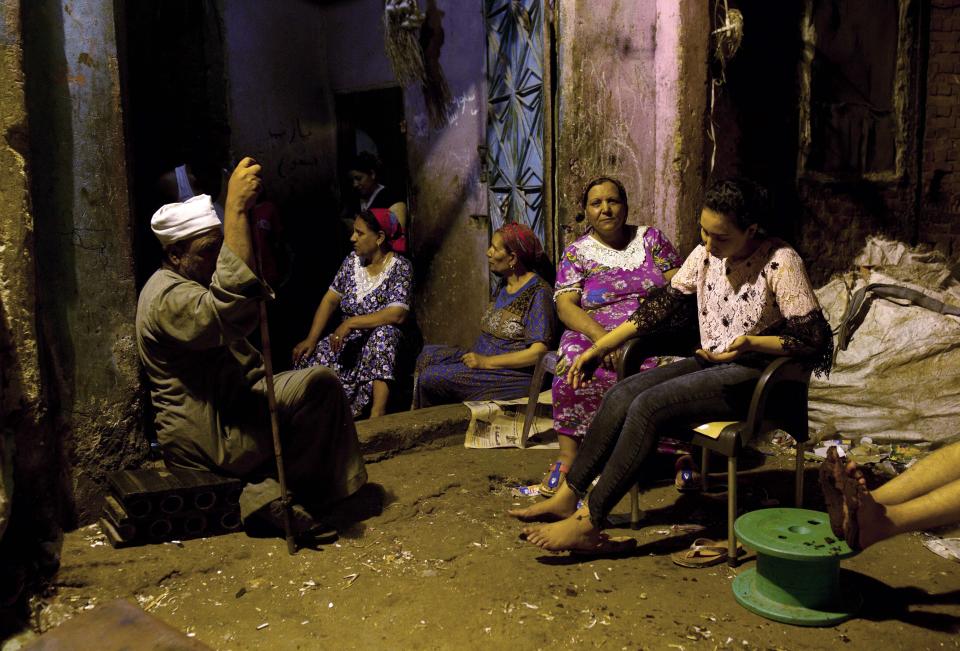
(899,379)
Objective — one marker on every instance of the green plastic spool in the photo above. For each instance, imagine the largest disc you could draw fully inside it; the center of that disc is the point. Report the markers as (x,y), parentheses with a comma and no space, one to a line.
(797,579)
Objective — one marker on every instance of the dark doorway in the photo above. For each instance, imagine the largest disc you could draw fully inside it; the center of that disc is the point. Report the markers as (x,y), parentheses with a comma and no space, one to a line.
(373,120)
(174,100)
(756,117)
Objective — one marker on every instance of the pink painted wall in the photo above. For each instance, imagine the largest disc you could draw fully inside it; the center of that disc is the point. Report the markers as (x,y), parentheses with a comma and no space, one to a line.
(632,97)
(607,90)
(683,29)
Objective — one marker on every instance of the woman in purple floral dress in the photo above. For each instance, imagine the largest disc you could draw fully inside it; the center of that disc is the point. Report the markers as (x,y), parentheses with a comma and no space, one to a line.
(372,290)
(601,279)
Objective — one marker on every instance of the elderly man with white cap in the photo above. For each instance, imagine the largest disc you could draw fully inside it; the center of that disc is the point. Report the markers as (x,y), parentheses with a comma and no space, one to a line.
(207,385)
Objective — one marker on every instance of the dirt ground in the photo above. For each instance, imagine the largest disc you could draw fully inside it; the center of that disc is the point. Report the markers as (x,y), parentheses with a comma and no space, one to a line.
(441,567)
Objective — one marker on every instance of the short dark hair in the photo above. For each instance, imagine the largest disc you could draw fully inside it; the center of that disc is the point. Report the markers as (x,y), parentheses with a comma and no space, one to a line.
(364,162)
(742,200)
(594,182)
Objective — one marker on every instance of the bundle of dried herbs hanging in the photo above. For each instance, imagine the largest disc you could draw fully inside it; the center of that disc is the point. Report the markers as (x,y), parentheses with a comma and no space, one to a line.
(401,31)
(406,40)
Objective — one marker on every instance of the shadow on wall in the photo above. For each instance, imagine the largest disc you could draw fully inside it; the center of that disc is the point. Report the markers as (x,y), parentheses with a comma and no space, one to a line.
(41,470)
(52,191)
(446,206)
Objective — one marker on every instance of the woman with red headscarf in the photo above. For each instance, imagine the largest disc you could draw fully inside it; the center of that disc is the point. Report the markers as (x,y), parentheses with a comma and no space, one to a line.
(372,291)
(517,327)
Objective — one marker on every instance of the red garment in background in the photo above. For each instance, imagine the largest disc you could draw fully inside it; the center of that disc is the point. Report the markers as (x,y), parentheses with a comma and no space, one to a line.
(268,233)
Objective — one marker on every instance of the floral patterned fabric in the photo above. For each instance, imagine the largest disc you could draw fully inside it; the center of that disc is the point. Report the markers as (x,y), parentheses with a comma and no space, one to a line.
(611,284)
(511,323)
(767,293)
(746,297)
(369,354)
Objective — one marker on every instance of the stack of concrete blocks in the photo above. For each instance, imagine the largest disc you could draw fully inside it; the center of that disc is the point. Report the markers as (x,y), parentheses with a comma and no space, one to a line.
(158,505)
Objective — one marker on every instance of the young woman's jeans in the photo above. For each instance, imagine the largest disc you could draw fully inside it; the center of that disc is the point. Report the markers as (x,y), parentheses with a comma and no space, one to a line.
(638,409)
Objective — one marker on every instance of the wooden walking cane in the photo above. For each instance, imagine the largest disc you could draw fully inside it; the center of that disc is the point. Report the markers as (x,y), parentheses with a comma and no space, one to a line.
(271,395)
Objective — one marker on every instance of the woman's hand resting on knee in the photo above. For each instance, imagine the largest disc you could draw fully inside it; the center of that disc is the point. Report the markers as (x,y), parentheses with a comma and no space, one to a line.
(304,349)
(582,369)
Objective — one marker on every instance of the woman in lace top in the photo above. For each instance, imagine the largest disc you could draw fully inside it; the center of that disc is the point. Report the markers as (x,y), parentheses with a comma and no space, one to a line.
(515,330)
(754,302)
(601,280)
(372,291)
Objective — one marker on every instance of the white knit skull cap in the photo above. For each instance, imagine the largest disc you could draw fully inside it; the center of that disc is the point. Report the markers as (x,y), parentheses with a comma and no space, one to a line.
(181,221)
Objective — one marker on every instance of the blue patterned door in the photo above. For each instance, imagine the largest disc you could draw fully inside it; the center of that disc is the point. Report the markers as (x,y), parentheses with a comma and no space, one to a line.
(515,113)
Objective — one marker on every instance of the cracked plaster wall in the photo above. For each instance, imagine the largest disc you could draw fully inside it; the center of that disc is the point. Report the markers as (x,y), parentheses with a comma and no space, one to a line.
(86,293)
(20,386)
(631,104)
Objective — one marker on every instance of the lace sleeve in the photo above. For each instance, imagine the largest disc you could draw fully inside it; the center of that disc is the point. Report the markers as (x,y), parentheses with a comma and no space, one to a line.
(661,311)
(790,284)
(687,277)
(809,336)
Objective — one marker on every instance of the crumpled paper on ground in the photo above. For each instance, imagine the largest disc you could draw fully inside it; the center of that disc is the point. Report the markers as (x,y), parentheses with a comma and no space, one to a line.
(948,548)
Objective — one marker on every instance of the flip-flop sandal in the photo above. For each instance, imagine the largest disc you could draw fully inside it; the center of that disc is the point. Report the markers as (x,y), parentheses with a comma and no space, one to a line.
(608,546)
(687,481)
(554,479)
(703,553)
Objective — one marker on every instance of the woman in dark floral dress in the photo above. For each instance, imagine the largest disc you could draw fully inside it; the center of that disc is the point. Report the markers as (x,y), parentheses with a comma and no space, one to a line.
(372,291)
(516,329)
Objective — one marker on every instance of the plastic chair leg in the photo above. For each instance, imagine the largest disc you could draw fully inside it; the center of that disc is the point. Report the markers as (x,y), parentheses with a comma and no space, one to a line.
(635,506)
(704,462)
(536,382)
(732,559)
(798,484)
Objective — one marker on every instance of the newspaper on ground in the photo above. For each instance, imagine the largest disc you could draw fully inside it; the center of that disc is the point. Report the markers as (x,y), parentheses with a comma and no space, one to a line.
(499,424)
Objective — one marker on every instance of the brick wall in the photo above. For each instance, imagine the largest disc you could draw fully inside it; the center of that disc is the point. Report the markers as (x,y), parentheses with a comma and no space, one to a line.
(940,212)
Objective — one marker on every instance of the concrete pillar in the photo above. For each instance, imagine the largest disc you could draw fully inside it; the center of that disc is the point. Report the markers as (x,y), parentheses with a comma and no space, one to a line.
(450,231)
(683,37)
(85,284)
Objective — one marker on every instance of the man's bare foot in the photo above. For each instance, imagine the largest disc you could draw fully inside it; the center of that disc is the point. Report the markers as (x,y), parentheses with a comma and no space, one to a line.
(852,487)
(560,506)
(575,533)
(831,478)
(872,522)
